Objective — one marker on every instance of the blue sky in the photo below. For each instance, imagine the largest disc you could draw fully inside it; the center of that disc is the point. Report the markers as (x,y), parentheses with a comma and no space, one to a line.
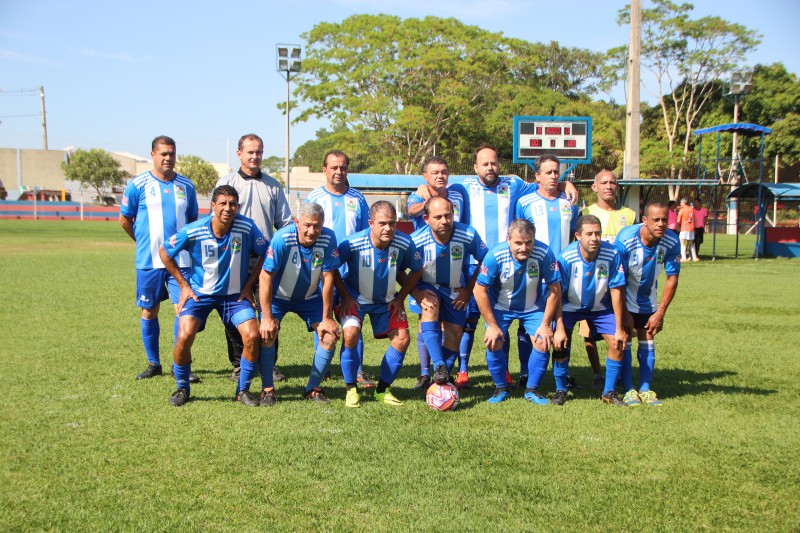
(116,74)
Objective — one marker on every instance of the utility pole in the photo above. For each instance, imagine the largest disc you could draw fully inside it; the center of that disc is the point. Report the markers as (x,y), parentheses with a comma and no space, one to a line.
(631,157)
(44,119)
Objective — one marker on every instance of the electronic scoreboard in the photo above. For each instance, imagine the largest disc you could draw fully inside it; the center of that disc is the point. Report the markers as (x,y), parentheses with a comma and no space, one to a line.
(568,138)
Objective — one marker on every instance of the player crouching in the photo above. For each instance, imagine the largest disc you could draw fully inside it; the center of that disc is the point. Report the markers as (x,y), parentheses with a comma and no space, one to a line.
(220,245)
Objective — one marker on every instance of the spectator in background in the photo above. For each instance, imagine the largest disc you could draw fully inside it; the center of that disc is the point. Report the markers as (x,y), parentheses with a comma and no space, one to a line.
(672,211)
(686,225)
(700,215)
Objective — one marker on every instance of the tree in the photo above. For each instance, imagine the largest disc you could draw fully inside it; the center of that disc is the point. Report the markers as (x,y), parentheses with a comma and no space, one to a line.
(686,58)
(94,168)
(273,165)
(202,173)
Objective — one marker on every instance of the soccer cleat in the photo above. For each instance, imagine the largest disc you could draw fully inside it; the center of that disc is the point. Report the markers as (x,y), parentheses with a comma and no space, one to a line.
(276,374)
(365,381)
(353,398)
(462,381)
(317,395)
(599,382)
(179,397)
(559,398)
(235,374)
(500,395)
(194,378)
(613,399)
(423,382)
(388,398)
(267,398)
(247,398)
(149,372)
(440,375)
(509,379)
(571,384)
(649,397)
(534,396)
(522,382)
(632,399)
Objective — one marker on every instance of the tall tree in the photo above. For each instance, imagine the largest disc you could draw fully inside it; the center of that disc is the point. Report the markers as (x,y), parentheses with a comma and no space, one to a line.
(686,57)
(94,168)
(202,173)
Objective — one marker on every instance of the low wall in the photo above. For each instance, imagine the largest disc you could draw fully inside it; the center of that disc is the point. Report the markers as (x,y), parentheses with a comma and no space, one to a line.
(61,211)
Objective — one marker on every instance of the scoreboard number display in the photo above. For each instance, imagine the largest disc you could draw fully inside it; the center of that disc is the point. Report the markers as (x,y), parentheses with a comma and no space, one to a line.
(568,138)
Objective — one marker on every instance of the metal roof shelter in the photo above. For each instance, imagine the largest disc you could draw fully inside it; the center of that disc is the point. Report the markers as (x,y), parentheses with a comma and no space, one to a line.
(777,241)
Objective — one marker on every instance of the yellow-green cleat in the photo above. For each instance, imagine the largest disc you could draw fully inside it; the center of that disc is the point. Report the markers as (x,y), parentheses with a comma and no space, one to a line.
(632,399)
(649,397)
(388,398)
(353,398)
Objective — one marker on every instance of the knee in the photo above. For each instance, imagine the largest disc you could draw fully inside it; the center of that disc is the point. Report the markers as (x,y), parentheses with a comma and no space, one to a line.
(351,337)
(251,337)
(401,340)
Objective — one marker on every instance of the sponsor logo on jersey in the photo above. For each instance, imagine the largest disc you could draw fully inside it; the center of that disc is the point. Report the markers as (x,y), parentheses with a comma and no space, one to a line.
(316,260)
(180,192)
(124,201)
(261,241)
(236,245)
(484,270)
(457,253)
(554,266)
(270,253)
(337,203)
(173,240)
(602,272)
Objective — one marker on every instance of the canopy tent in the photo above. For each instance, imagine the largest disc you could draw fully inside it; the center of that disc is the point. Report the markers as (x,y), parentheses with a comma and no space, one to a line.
(771,191)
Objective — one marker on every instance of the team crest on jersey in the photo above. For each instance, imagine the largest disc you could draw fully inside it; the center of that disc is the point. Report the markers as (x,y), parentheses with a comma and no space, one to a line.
(602,272)
(623,221)
(456,212)
(533,270)
(393,258)
(502,190)
(270,253)
(417,256)
(151,191)
(565,209)
(236,245)
(484,270)
(180,192)
(660,256)
(457,253)
(316,259)
(351,204)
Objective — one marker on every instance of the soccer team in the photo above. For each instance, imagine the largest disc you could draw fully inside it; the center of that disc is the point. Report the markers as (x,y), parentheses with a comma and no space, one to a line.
(495,247)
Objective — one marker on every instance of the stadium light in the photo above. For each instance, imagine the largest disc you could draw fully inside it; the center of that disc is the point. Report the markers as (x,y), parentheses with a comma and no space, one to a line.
(741,84)
(288,60)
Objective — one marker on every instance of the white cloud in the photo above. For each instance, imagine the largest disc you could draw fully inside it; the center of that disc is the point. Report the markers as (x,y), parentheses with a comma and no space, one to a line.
(26,58)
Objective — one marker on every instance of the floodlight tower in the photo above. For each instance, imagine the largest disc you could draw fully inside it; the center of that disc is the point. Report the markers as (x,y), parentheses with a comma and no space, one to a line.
(288,61)
(741,84)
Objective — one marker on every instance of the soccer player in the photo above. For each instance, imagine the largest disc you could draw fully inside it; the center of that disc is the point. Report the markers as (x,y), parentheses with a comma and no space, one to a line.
(220,245)
(374,257)
(261,199)
(436,174)
(346,212)
(593,290)
(446,247)
(157,204)
(645,249)
(300,256)
(509,288)
(554,217)
(612,219)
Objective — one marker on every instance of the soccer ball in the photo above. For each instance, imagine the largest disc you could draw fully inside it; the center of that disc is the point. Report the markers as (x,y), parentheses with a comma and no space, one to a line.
(442,397)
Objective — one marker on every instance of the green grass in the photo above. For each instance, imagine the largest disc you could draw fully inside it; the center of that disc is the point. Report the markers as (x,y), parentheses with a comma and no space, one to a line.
(86,447)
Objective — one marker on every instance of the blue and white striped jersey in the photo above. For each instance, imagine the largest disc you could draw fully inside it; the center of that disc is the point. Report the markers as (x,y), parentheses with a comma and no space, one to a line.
(643,264)
(159,209)
(456,193)
(492,208)
(220,266)
(554,220)
(514,286)
(345,213)
(372,273)
(585,285)
(443,265)
(296,269)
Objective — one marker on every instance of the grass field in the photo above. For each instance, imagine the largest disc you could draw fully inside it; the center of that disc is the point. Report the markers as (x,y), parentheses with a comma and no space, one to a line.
(85,447)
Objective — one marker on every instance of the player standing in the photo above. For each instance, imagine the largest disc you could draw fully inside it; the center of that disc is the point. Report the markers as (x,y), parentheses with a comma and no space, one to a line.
(157,204)
(220,245)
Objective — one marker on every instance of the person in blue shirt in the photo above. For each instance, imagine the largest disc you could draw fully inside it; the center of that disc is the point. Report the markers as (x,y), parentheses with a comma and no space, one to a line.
(645,250)
(219,245)
(155,205)
(508,289)
(297,277)
(446,248)
(346,212)
(375,259)
(436,173)
(593,290)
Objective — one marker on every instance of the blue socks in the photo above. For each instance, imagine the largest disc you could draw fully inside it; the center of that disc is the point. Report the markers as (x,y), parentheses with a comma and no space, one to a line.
(496,361)
(432,336)
(646,354)
(450,357)
(349,360)
(150,333)
(391,364)
(246,373)
(465,349)
(537,367)
(266,363)
(182,375)
(360,351)
(322,358)
(626,372)
(613,369)
(560,370)
(424,357)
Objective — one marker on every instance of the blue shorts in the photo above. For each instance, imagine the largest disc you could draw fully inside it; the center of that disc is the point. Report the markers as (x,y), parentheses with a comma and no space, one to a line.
(599,322)
(447,313)
(154,285)
(531,320)
(309,310)
(640,319)
(382,321)
(232,312)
